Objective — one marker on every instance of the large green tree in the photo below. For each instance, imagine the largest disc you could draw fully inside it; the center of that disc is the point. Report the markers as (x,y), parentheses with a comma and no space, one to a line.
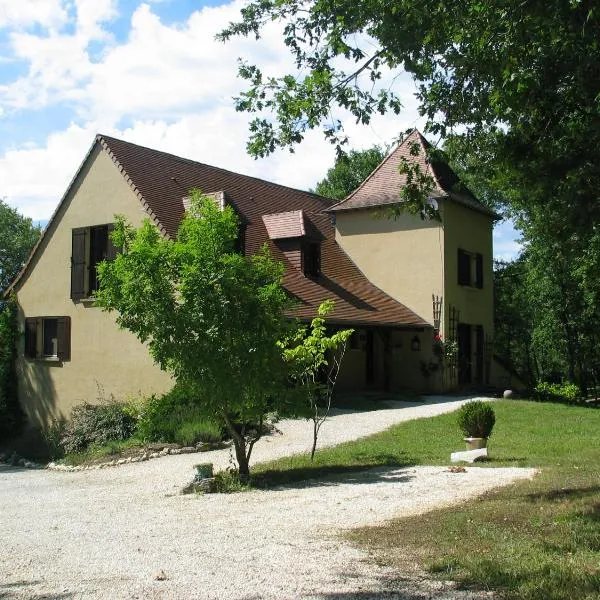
(511,88)
(18,235)
(210,316)
(348,172)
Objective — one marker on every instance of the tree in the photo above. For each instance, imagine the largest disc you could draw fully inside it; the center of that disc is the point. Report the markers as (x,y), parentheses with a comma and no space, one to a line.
(512,90)
(17,237)
(210,316)
(315,359)
(349,171)
(11,414)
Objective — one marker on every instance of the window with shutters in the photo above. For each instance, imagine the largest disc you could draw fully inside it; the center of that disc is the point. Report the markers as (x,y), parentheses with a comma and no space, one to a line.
(470,269)
(48,338)
(90,246)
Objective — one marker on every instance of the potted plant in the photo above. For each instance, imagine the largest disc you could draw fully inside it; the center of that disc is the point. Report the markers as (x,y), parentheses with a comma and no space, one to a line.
(476,419)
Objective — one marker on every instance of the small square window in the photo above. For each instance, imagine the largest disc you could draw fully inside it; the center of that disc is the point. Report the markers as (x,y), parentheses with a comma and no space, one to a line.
(48,337)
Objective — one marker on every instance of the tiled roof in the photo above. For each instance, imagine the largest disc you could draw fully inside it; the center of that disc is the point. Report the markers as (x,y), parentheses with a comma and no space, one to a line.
(163,179)
(285,225)
(162,182)
(384,184)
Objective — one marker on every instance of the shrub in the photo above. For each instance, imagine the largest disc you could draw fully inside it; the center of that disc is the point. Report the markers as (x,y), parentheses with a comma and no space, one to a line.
(557,392)
(476,419)
(97,424)
(198,430)
(228,482)
(52,436)
(176,417)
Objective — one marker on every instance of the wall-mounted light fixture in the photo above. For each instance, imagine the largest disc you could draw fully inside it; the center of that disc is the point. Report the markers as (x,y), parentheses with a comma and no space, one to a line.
(415,344)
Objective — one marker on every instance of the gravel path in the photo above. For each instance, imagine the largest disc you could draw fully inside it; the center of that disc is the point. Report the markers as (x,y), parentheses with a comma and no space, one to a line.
(108,533)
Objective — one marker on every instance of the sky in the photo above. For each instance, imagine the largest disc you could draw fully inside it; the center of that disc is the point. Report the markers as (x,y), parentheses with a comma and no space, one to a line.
(151,73)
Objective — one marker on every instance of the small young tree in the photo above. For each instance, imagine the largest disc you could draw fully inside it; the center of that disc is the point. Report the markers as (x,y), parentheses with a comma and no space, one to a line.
(210,316)
(315,359)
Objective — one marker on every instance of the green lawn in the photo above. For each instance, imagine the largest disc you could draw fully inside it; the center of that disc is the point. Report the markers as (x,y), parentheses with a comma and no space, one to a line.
(535,540)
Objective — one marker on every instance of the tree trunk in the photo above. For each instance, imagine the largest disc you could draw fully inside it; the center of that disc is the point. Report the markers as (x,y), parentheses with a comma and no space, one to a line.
(239,445)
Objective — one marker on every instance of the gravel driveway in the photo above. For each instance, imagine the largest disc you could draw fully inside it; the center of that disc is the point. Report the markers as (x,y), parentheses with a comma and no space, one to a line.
(109,533)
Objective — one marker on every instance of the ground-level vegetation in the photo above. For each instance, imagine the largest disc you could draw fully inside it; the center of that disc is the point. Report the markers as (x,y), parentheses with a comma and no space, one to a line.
(534,540)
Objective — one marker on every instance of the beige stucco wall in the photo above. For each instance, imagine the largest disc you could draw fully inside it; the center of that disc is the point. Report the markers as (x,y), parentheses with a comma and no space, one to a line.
(401,256)
(472,231)
(101,354)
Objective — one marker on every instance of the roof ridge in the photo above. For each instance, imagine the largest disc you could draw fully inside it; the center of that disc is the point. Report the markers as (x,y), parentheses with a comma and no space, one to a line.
(176,157)
(422,141)
(105,145)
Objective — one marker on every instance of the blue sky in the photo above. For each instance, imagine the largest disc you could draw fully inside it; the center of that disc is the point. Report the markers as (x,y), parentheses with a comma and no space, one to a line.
(152,73)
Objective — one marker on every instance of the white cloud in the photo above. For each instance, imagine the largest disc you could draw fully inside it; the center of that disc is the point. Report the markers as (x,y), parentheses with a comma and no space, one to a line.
(50,14)
(35,178)
(173,84)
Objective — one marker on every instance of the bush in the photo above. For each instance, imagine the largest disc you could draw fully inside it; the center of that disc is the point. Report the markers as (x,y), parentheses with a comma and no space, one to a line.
(228,482)
(476,419)
(557,392)
(97,424)
(176,417)
(52,436)
(198,430)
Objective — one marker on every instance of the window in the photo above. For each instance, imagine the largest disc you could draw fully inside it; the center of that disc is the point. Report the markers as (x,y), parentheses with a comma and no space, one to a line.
(470,269)
(311,259)
(48,337)
(90,246)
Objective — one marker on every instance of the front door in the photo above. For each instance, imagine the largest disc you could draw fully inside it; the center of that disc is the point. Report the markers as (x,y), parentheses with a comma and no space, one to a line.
(464,354)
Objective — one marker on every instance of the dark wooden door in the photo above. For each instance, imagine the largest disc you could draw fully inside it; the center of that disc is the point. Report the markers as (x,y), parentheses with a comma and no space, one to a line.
(464,354)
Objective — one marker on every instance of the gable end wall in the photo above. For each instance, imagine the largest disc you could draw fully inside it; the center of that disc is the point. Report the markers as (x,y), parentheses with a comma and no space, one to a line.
(101,354)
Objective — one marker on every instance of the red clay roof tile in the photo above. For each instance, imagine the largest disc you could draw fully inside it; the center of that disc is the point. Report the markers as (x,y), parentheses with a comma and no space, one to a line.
(163,180)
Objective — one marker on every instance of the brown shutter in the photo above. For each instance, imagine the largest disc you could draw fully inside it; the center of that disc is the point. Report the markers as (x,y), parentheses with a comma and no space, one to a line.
(479,271)
(78,264)
(63,335)
(31,337)
(111,249)
(464,268)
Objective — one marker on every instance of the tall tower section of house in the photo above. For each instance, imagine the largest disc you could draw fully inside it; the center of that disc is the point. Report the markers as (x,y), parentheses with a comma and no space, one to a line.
(439,269)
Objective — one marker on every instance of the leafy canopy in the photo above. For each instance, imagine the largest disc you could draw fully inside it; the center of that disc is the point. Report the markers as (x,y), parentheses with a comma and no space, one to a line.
(210,316)
(349,171)
(17,237)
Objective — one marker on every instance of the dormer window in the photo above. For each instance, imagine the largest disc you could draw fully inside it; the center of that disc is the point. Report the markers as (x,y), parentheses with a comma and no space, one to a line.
(297,238)
(311,259)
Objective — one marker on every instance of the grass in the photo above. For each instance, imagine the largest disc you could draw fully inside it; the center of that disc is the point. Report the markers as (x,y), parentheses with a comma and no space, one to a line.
(535,540)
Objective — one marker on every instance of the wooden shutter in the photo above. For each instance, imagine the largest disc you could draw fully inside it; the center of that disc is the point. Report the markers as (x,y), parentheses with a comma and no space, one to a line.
(63,335)
(78,264)
(479,271)
(464,268)
(111,249)
(31,337)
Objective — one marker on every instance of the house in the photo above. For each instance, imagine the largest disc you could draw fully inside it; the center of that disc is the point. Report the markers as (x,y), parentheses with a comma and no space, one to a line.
(398,282)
